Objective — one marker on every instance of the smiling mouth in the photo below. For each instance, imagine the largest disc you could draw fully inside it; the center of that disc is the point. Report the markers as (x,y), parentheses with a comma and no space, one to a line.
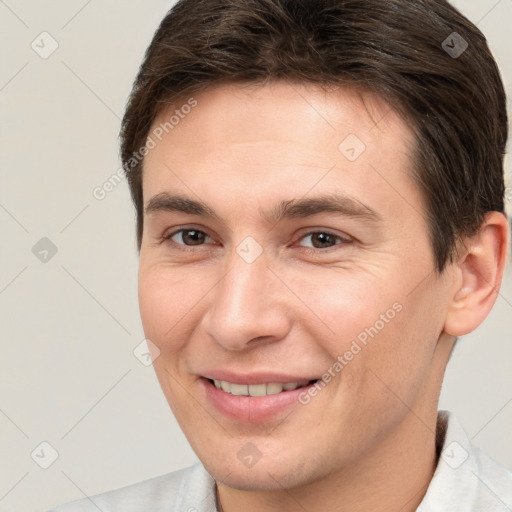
(271,388)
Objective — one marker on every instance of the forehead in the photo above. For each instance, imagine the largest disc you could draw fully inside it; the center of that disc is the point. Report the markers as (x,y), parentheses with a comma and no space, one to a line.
(242,111)
(301,136)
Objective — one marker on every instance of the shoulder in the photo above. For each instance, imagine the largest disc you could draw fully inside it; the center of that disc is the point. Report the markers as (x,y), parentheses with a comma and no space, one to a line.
(158,494)
(493,478)
(466,478)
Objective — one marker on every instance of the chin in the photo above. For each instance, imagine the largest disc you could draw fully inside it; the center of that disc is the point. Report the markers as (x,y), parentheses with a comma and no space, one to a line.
(263,476)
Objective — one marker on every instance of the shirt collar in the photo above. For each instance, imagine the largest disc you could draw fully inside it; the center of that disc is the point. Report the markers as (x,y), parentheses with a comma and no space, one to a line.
(465,478)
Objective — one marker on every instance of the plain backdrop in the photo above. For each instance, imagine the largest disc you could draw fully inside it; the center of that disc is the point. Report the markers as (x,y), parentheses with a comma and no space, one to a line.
(71,388)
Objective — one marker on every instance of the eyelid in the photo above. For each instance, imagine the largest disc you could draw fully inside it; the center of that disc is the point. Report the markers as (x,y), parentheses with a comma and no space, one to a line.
(168,235)
(327,231)
(344,239)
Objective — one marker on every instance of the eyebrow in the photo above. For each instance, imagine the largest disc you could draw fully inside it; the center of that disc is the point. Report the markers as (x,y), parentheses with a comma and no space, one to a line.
(294,208)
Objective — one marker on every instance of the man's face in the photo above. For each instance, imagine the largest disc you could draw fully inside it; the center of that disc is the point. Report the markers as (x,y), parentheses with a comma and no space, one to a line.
(249,297)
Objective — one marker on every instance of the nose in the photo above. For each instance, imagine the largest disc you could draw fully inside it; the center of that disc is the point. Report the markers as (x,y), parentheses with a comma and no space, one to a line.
(249,306)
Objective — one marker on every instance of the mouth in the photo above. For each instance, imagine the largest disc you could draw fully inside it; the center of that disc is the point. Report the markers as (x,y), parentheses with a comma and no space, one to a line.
(257,399)
(256,390)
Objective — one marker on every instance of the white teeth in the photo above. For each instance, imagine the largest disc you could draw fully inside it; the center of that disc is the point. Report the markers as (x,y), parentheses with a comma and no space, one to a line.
(257,389)
(271,388)
(239,389)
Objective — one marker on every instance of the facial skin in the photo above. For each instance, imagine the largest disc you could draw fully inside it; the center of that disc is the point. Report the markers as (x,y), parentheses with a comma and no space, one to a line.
(366,441)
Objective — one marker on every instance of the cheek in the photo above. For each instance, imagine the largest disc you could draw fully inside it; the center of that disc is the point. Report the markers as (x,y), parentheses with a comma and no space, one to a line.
(344,305)
(385,335)
(166,302)
(397,359)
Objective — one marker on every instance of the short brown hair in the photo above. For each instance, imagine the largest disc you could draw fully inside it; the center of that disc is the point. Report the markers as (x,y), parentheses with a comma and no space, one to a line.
(411,53)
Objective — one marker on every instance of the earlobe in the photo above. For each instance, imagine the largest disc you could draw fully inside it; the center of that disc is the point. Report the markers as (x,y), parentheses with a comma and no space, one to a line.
(480,273)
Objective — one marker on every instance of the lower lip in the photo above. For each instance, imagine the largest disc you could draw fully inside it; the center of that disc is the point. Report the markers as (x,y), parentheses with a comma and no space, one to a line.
(252,409)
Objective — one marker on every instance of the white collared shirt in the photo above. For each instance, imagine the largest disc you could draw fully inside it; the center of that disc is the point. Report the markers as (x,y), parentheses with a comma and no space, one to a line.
(465,480)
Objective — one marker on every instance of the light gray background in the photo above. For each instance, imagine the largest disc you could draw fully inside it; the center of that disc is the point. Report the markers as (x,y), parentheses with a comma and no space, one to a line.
(68,374)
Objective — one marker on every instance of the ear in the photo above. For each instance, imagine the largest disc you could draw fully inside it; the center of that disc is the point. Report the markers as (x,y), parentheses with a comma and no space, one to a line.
(479,274)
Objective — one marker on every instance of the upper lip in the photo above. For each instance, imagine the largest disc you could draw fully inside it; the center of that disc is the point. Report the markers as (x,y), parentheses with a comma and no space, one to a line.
(255,378)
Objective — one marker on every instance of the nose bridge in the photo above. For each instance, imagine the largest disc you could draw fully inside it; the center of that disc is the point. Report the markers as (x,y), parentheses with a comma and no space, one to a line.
(247,301)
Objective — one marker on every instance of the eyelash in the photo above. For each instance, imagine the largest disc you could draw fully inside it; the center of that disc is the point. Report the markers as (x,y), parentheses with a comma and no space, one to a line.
(308,250)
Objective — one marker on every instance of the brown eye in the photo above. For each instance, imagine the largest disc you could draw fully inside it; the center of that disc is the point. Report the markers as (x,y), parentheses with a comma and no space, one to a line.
(188,237)
(323,240)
